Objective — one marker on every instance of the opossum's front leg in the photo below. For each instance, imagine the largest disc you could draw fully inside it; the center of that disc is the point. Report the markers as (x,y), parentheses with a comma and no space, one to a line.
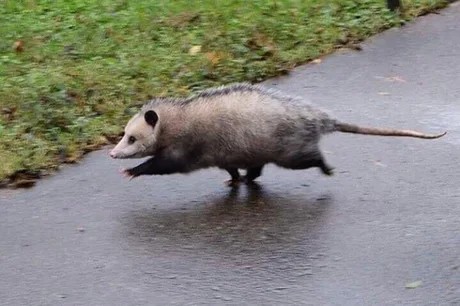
(157,166)
(235,177)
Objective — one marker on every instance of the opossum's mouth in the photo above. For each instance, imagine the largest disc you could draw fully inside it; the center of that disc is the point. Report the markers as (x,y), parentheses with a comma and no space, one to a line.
(124,156)
(132,156)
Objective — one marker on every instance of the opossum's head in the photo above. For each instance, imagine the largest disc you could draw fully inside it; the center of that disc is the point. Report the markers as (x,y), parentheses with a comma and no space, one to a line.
(140,137)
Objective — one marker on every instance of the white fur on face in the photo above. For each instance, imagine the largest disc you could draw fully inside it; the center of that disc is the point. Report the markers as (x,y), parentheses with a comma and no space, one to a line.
(144,138)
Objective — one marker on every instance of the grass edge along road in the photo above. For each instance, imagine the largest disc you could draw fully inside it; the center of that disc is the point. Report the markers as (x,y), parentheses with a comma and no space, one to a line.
(73,72)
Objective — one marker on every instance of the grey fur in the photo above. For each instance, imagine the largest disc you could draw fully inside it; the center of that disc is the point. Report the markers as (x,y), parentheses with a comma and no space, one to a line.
(241,126)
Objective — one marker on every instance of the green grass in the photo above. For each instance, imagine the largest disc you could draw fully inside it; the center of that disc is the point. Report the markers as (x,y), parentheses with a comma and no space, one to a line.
(87,65)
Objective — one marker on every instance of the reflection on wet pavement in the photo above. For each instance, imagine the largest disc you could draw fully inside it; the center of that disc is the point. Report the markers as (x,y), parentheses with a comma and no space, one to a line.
(245,222)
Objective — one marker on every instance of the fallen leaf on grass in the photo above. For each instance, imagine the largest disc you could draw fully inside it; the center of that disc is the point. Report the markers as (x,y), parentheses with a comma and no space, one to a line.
(18,46)
(194,50)
(182,20)
(9,112)
(214,57)
(260,41)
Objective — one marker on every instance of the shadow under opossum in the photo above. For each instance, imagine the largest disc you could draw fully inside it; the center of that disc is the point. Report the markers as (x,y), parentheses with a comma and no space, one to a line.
(232,225)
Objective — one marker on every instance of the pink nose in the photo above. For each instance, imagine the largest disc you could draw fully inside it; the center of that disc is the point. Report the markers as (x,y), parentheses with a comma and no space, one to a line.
(112,154)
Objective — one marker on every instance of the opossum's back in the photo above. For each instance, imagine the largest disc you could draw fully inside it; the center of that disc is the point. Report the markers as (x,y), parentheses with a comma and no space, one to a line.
(258,115)
(240,102)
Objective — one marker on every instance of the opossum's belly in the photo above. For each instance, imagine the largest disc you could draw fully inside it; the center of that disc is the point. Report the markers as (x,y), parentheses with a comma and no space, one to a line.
(243,160)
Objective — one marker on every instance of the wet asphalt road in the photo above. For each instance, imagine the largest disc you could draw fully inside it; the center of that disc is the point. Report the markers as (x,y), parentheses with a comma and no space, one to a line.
(390,215)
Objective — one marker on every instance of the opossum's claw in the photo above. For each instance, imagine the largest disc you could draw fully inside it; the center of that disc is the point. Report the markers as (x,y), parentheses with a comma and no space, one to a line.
(233,183)
(127,173)
(329,171)
(325,168)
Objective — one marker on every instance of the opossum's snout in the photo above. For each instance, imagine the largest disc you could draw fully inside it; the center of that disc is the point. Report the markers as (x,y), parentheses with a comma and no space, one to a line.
(116,154)
(124,155)
(126,148)
(113,154)
(122,152)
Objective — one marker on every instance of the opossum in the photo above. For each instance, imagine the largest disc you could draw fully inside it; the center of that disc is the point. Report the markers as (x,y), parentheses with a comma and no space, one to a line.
(238,126)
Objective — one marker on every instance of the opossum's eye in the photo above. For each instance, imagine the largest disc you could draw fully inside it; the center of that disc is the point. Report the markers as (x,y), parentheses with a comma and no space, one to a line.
(131,139)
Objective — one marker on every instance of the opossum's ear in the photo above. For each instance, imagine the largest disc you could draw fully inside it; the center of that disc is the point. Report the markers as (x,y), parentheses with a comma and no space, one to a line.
(151,117)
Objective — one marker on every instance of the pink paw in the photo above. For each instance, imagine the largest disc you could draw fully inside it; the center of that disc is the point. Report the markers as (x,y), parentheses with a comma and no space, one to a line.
(126,173)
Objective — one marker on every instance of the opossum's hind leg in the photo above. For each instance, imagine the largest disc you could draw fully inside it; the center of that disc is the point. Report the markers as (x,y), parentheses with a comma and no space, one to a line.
(235,177)
(252,174)
(310,160)
(325,168)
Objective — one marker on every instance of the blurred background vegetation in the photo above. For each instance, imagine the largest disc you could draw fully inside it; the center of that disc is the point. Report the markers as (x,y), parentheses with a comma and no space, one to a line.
(72,72)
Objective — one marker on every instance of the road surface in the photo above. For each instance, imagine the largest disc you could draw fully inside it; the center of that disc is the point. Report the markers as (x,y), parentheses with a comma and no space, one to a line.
(389,218)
